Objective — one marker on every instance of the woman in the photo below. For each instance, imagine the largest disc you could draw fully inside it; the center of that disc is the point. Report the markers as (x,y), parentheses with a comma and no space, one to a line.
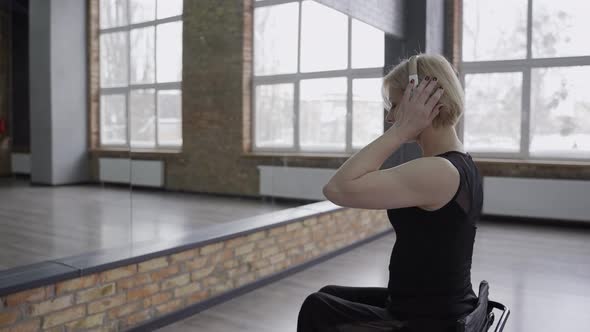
(432,202)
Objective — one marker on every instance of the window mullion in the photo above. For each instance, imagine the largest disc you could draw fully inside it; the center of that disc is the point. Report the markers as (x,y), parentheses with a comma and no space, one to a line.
(265,3)
(142,24)
(253,84)
(461,126)
(156,108)
(529,30)
(128,110)
(253,109)
(349,110)
(296,101)
(526,87)
(296,124)
(526,107)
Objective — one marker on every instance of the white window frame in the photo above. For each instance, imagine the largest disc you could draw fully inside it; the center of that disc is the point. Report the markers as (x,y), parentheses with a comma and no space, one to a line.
(525,67)
(126,90)
(349,73)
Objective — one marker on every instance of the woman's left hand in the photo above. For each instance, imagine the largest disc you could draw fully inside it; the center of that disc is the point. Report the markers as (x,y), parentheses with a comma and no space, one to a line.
(417,109)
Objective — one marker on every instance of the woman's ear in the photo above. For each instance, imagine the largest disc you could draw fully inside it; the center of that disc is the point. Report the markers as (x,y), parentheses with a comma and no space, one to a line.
(443,111)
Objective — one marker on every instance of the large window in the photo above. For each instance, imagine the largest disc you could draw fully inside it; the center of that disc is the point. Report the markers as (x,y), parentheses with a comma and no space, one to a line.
(317,79)
(140,73)
(523,65)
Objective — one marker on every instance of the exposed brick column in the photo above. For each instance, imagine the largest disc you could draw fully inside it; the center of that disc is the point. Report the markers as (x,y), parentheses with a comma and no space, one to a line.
(248,61)
(93,53)
(215,100)
(453,15)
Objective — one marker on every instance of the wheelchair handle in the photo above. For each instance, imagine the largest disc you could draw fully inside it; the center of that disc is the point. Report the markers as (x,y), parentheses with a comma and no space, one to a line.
(503,318)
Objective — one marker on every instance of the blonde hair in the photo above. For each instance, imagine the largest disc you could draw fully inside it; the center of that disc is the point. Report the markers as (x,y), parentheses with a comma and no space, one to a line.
(432,65)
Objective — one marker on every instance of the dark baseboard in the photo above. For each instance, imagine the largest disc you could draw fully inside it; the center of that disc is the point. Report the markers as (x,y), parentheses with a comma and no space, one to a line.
(547,222)
(198,307)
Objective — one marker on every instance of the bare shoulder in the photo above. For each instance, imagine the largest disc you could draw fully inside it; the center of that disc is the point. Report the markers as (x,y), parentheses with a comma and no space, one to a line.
(444,178)
(427,166)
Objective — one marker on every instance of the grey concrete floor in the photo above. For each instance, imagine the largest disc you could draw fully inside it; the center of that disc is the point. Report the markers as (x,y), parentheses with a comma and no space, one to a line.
(541,273)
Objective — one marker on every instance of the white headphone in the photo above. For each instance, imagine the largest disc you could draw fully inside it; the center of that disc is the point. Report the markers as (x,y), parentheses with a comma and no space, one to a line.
(413,69)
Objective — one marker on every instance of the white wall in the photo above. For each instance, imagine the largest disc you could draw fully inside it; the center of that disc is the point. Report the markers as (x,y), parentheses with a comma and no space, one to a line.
(57,41)
(21,163)
(537,198)
(68,91)
(521,197)
(148,173)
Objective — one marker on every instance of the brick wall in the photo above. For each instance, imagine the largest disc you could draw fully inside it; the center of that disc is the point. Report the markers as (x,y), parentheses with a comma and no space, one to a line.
(213,121)
(120,298)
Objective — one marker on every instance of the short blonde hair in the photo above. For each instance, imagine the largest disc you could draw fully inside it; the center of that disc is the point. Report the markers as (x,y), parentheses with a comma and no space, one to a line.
(432,65)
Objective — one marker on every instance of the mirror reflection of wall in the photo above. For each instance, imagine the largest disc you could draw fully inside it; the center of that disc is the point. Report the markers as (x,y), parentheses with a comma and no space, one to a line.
(147,120)
(240,143)
(184,173)
(86,117)
(50,206)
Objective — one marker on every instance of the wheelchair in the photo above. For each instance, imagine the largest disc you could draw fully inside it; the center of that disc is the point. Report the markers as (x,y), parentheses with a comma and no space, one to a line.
(482,318)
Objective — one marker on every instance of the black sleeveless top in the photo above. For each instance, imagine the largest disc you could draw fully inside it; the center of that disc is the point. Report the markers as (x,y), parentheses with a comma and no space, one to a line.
(430,264)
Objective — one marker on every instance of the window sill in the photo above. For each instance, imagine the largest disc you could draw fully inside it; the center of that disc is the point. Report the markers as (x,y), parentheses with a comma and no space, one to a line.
(560,163)
(258,154)
(479,160)
(136,153)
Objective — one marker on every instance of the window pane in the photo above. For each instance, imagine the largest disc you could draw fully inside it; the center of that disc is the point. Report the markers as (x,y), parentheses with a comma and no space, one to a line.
(324,38)
(169,8)
(142,10)
(368,46)
(169,52)
(367,111)
(560,28)
(322,114)
(113,59)
(113,121)
(560,112)
(274,115)
(275,39)
(142,118)
(169,117)
(142,55)
(494,30)
(113,13)
(493,112)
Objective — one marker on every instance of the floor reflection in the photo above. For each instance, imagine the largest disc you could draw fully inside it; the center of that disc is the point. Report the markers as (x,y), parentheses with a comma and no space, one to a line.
(39,223)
